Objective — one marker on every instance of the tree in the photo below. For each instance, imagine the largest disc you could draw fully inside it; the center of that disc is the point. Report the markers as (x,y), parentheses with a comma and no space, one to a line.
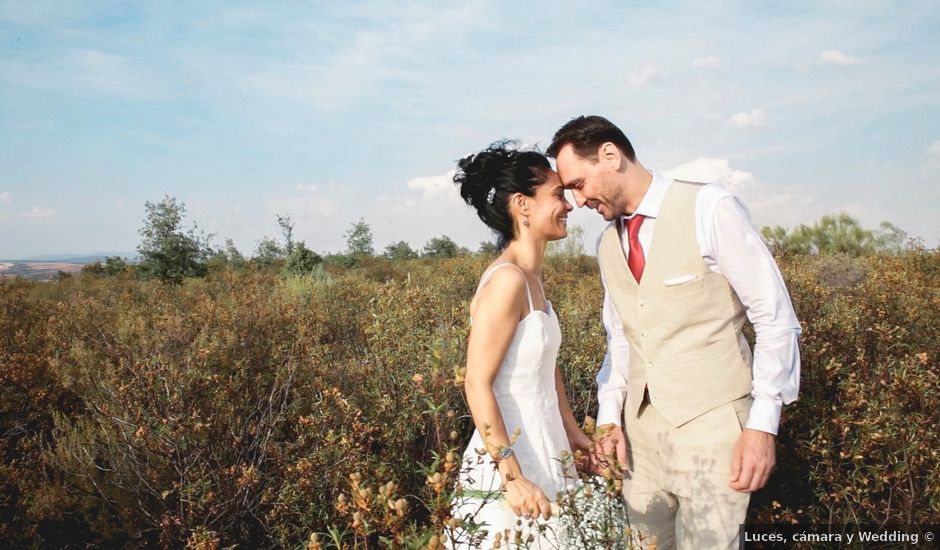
(113,265)
(784,243)
(889,238)
(571,247)
(842,233)
(834,234)
(400,251)
(442,247)
(488,248)
(359,240)
(227,256)
(301,260)
(268,251)
(167,251)
(287,231)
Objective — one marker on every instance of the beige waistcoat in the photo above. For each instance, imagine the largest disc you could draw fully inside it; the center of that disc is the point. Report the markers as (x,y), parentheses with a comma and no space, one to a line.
(686,343)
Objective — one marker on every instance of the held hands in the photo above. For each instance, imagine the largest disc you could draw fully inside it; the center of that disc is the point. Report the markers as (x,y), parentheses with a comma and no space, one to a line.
(609,444)
(526,499)
(582,448)
(753,460)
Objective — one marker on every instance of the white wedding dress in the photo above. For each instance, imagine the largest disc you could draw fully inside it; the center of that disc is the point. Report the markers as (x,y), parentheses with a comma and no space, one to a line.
(525,391)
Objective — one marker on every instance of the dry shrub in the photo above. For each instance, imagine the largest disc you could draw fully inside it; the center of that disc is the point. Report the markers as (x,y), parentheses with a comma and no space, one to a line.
(860,445)
(251,409)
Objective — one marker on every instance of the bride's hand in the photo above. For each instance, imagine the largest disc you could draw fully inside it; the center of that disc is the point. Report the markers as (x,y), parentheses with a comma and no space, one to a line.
(526,499)
(582,447)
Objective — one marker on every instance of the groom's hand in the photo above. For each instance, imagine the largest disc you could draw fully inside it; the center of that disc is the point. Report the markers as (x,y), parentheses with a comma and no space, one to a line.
(610,443)
(753,460)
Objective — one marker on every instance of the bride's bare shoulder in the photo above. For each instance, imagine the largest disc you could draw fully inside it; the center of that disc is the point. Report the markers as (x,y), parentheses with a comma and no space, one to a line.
(500,288)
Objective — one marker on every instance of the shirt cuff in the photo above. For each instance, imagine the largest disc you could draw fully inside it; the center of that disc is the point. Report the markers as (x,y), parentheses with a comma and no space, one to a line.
(610,411)
(764,415)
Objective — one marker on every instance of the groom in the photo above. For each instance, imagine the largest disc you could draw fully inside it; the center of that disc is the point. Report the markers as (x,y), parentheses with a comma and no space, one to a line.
(683,269)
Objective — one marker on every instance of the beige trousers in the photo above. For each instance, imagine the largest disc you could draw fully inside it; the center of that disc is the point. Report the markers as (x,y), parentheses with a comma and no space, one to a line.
(677,486)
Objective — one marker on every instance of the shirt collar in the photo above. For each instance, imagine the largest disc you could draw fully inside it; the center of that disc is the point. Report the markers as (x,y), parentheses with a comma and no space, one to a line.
(652,201)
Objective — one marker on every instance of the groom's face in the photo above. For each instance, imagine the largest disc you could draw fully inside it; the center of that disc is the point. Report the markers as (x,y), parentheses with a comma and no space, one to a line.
(591,182)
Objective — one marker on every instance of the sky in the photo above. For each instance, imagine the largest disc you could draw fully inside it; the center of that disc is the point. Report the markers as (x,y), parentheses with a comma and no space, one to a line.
(333,112)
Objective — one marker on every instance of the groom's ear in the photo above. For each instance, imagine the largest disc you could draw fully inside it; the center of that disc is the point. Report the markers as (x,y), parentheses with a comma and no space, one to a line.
(609,153)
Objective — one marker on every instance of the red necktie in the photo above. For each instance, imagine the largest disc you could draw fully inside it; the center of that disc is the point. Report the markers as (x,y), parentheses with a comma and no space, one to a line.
(635,260)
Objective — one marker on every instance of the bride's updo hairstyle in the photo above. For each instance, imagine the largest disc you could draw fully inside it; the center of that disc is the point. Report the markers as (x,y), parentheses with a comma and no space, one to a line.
(488,178)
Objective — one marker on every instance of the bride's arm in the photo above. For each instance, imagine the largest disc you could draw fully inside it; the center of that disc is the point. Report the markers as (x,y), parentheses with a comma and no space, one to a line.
(576,438)
(498,308)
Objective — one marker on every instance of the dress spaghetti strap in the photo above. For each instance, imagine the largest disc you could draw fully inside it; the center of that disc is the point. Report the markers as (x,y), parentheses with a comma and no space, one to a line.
(486,277)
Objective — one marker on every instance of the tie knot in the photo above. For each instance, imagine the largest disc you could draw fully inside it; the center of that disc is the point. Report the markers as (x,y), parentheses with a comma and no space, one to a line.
(633,224)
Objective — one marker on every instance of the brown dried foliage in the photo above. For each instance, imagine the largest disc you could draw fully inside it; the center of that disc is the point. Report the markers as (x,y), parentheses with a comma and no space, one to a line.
(266,412)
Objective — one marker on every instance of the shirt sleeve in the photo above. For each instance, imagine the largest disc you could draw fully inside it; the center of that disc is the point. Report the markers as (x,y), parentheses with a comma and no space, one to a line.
(743,258)
(612,378)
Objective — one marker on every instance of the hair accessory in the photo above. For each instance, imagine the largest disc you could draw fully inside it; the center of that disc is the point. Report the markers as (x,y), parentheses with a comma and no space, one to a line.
(490,195)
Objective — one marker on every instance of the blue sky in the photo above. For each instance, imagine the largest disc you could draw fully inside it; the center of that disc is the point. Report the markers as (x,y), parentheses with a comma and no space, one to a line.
(332,112)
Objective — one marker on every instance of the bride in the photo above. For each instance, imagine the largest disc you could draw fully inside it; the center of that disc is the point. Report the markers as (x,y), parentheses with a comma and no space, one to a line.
(512,467)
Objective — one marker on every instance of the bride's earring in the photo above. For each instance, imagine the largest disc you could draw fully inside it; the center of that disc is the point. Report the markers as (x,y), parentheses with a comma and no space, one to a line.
(525,222)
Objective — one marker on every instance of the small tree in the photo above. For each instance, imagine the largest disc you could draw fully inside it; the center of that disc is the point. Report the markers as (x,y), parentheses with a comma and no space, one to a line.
(301,260)
(836,234)
(400,251)
(441,247)
(287,231)
(228,256)
(488,248)
(167,251)
(268,251)
(113,265)
(359,240)
(889,238)
(842,233)
(571,247)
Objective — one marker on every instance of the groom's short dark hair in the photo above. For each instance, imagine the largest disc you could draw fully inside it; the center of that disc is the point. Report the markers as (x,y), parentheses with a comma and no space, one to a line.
(586,134)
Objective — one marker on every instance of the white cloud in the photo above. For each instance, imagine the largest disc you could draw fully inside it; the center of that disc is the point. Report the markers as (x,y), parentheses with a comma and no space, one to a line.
(835,57)
(35,214)
(385,53)
(711,170)
(38,214)
(751,119)
(867,215)
(88,72)
(933,150)
(310,200)
(710,62)
(429,206)
(768,204)
(434,187)
(644,76)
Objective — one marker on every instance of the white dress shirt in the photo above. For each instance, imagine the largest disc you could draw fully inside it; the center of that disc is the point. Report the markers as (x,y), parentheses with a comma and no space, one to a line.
(731,246)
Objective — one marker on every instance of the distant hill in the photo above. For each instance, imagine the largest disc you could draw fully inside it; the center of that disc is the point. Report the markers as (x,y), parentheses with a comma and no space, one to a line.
(78,259)
(40,271)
